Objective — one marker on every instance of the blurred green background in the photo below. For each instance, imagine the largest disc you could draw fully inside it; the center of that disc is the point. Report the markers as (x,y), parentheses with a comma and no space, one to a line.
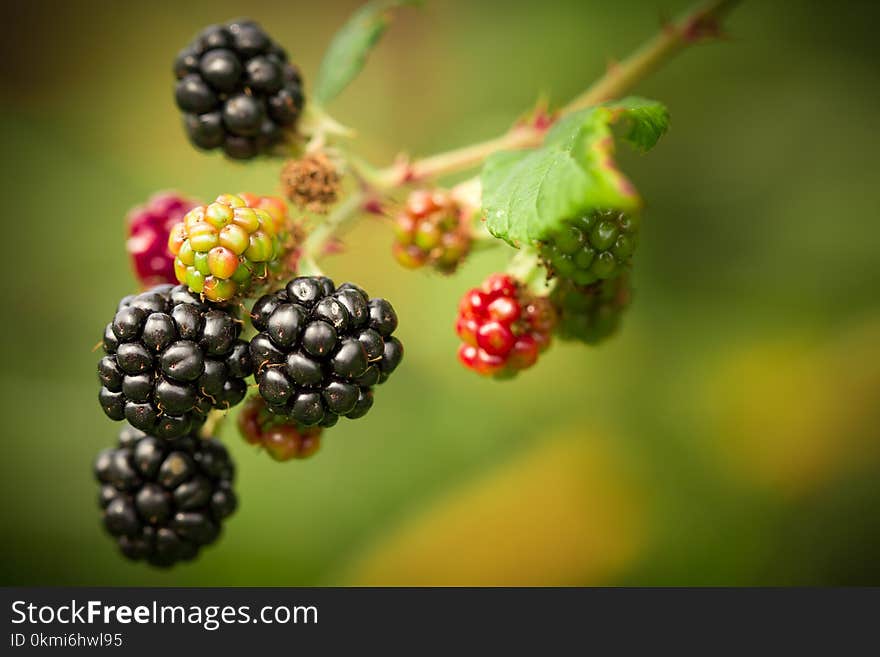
(728,435)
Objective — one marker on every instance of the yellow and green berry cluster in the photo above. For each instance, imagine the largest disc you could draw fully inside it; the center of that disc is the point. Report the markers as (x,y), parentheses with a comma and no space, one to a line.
(222,249)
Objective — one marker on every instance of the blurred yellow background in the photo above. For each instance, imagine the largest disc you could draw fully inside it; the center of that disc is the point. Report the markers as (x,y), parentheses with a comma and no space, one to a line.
(728,435)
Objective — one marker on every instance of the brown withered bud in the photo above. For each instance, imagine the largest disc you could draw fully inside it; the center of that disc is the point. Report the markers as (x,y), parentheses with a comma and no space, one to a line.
(311,183)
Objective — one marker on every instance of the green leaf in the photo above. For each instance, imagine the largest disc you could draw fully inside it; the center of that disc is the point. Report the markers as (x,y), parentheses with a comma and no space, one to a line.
(528,195)
(347,53)
(647,121)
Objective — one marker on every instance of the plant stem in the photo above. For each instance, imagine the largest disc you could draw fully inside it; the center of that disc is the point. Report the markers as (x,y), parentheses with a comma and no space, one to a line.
(405,171)
(316,243)
(698,24)
(212,424)
(526,267)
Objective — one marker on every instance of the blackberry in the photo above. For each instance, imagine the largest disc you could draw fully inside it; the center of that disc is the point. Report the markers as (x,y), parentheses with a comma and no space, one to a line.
(220,249)
(148,229)
(170,359)
(503,326)
(283,439)
(431,230)
(237,90)
(596,246)
(164,500)
(591,313)
(321,349)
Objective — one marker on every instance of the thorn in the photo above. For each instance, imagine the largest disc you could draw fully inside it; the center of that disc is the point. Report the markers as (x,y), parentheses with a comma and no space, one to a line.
(373,206)
(699,27)
(334,246)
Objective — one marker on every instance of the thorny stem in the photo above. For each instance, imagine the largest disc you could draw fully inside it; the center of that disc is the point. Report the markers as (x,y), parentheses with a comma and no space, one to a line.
(697,25)
(701,23)
(404,171)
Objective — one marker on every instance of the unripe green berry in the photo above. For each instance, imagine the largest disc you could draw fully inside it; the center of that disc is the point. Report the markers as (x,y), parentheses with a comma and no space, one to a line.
(218,215)
(235,238)
(260,247)
(427,236)
(201,263)
(591,247)
(247,219)
(203,237)
(590,313)
(186,255)
(195,280)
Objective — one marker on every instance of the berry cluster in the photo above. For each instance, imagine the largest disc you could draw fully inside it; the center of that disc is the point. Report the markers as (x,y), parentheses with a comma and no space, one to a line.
(321,349)
(237,90)
(148,229)
(163,500)
(222,248)
(169,359)
(504,327)
(282,439)
(431,230)
(591,313)
(596,246)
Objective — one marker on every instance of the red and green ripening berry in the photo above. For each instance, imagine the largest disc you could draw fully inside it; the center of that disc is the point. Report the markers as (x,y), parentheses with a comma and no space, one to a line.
(591,313)
(596,246)
(148,229)
(503,326)
(223,248)
(282,439)
(431,230)
(290,234)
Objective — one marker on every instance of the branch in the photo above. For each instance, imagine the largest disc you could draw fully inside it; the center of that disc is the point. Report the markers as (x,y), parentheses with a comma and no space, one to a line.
(697,25)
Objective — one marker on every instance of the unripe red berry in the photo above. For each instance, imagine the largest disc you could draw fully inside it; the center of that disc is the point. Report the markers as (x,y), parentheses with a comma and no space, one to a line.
(489,364)
(495,338)
(288,442)
(149,230)
(503,327)
(500,285)
(282,440)
(524,353)
(504,309)
(467,354)
(467,327)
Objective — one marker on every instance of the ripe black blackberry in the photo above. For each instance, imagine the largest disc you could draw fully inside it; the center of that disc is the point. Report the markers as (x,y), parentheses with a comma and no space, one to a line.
(163,500)
(170,359)
(321,349)
(591,313)
(237,89)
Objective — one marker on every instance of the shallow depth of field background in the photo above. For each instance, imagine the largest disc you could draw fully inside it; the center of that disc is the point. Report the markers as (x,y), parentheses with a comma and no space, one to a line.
(730,434)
